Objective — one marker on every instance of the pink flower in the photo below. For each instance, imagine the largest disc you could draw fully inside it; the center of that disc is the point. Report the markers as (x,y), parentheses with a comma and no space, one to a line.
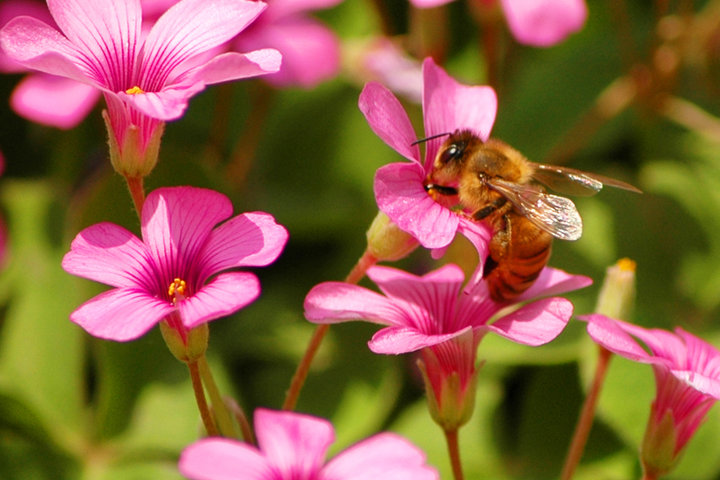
(540,23)
(311,51)
(430,314)
(178,268)
(146,80)
(400,187)
(293,446)
(687,375)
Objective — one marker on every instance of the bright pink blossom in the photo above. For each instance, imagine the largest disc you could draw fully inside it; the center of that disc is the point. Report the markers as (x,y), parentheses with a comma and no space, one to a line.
(146,80)
(179,267)
(687,375)
(400,187)
(430,314)
(540,23)
(293,446)
(310,50)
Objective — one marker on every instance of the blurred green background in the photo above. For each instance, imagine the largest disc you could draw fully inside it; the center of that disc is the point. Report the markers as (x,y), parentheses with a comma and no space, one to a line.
(74,407)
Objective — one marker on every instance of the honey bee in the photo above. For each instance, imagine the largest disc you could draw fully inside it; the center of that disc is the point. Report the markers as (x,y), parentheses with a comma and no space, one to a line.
(495,183)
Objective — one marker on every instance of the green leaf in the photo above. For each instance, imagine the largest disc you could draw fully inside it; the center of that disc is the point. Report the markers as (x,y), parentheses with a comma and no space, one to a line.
(41,351)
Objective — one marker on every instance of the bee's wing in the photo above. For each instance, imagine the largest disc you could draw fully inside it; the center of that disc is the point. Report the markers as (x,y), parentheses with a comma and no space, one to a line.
(575,182)
(551,213)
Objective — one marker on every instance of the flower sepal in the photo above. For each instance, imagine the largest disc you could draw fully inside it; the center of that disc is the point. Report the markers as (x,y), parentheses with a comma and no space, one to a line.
(451,398)
(387,242)
(134,158)
(186,345)
(659,448)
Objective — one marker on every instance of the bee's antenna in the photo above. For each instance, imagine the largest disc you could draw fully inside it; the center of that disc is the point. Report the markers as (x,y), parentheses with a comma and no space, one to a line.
(423,140)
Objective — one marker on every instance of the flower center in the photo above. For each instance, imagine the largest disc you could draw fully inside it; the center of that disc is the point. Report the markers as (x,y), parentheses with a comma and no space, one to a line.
(177,290)
(134,90)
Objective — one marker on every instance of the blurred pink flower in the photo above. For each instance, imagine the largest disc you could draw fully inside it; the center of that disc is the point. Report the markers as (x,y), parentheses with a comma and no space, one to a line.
(540,23)
(310,50)
(179,266)
(430,314)
(400,187)
(687,376)
(294,446)
(145,80)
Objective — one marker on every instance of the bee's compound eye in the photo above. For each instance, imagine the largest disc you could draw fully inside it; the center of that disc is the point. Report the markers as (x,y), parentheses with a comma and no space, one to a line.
(453,152)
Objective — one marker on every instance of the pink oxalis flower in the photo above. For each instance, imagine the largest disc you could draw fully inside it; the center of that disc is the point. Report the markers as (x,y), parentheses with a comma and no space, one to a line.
(430,314)
(293,446)
(146,80)
(179,268)
(50,99)
(400,187)
(687,376)
(310,50)
(539,23)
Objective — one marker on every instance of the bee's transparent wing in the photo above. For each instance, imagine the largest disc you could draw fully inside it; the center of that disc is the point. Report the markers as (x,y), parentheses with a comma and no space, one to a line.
(575,182)
(554,214)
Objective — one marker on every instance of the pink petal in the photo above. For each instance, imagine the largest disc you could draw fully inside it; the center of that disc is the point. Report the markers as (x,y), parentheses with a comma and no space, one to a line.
(388,120)
(285,8)
(384,456)
(223,459)
(400,195)
(536,323)
(449,106)
(543,23)
(52,100)
(428,3)
(479,234)
(10,9)
(399,339)
(167,104)
(108,32)
(176,222)
(189,28)
(294,444)
(121,314)
(38,46)
(610,334)
(111,255)
(310,51)
(334,302)
(224,295)
(554,282)
(250,239)
(234,66)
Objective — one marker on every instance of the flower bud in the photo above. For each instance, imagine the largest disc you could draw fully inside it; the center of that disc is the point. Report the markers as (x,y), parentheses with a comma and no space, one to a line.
(387,242)
(617,295)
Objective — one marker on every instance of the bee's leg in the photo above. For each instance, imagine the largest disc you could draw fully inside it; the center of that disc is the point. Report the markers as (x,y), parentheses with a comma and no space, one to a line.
(432,188)
(489,208)
(499,245)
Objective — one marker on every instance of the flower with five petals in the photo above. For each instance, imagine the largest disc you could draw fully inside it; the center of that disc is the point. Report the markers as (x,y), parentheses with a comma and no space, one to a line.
(179,270)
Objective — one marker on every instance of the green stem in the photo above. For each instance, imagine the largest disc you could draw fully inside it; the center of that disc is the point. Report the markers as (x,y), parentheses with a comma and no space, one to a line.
(207,418)
(222,415)
(451,436)
(356,274)
(587,414)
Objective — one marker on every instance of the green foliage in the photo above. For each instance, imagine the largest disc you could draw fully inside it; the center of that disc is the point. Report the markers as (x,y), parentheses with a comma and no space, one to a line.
(73,407)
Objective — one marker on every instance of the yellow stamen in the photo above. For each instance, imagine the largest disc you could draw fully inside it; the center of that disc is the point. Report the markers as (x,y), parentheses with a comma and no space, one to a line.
(134,90)
(177,289)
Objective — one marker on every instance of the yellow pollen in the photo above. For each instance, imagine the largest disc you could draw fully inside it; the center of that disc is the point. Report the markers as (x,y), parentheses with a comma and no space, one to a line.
(627,265)
(134,90)
(177,289)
